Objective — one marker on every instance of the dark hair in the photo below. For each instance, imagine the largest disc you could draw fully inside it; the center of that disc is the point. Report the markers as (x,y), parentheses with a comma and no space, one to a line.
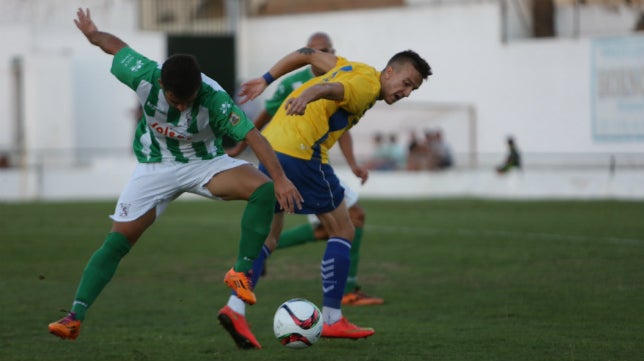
(410,56)
(180,74)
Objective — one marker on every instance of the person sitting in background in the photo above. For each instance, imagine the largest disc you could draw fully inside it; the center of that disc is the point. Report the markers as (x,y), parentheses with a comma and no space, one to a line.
(397,152)
(513,159)
(416,153)
(383,158)
(440,150)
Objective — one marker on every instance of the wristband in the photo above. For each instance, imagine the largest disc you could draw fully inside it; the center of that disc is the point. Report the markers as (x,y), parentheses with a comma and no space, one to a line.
(268,78)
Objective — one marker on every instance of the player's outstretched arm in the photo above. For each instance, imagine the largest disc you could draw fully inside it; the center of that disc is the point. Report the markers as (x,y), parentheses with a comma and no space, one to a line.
(346,145)
(297,59)
(106,41)
(287,195)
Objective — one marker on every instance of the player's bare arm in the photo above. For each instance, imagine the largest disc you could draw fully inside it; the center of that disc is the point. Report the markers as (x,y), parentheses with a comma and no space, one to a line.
(346,146)
(330,91)
(297,59)
(106,41)
(287,195)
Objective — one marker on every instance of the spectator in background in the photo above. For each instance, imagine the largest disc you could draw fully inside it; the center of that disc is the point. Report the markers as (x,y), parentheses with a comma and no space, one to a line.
(4,160)
(397,152)
(416,153)
(513,159)
(382,158)
(639,25)
(441,151)
(439,154)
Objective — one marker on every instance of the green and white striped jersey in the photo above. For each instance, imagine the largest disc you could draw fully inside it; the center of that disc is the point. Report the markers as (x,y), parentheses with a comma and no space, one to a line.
(286,87)
(166,134)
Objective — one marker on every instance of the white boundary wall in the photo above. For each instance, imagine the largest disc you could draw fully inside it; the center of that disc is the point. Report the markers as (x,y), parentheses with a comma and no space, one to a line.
(538,90)
(105,179)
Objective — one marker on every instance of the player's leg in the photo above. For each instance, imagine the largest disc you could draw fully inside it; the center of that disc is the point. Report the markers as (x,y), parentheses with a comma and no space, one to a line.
(301,234)
(233,316)
(135,211)
(336,260)
(357,216)
(353,295)
(248,183)
(334,270)
(245,182)
(98,272)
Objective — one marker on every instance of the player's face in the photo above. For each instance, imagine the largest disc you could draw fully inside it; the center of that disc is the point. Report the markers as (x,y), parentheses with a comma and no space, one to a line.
(180,104)
(323,44)
(399,81)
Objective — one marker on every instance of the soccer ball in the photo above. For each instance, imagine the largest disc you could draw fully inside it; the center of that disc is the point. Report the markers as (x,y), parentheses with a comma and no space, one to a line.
(297,323)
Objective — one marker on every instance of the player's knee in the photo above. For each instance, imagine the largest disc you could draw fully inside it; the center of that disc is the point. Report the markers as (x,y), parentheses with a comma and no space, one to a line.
(264,194)
(357,215)
(320,232)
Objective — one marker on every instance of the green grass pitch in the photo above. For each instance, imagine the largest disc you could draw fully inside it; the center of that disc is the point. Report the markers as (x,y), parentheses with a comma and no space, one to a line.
(463,279)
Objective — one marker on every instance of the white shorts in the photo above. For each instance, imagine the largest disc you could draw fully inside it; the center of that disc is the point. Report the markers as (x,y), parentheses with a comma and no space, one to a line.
(350,196)
(157,184)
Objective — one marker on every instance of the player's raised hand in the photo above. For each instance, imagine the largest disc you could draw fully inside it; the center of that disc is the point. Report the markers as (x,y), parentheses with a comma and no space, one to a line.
(85,23)
(251,89)
(106,41)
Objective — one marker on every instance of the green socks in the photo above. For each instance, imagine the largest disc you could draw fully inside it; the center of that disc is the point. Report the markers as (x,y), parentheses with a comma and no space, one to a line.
(354,255)
(296,235)
(255,225)
(99,272)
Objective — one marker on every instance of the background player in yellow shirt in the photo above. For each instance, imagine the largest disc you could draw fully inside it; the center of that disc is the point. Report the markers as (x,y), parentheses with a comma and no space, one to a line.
(310,122)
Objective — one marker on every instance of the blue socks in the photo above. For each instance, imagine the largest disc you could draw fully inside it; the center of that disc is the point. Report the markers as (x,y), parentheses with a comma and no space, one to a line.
(258,266)
(334,270)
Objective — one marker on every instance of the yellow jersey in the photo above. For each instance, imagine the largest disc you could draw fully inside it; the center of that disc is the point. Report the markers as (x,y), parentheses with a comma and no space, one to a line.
(310,136)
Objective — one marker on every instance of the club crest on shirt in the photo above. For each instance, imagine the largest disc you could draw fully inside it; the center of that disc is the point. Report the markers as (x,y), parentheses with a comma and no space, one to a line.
(234,119)
(124,209)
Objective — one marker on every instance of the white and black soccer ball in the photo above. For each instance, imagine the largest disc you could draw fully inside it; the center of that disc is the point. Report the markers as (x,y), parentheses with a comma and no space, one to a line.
(298,323)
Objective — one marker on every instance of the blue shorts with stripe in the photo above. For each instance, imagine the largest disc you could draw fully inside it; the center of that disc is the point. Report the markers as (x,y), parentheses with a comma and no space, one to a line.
(317,183)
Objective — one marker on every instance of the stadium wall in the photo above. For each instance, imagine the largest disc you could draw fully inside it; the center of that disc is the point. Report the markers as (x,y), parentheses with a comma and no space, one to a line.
(541,91)
(105,179)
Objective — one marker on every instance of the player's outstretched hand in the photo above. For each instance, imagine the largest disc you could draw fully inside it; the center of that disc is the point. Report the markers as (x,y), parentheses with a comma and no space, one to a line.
(85,23)
(361,172)
(251,89)
(287,195)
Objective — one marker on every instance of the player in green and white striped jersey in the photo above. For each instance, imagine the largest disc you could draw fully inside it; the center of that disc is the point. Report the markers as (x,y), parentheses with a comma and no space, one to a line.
(178,144)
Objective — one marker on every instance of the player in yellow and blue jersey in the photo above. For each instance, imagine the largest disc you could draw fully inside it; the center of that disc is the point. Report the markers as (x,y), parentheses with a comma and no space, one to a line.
(313,230)
(302,131)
